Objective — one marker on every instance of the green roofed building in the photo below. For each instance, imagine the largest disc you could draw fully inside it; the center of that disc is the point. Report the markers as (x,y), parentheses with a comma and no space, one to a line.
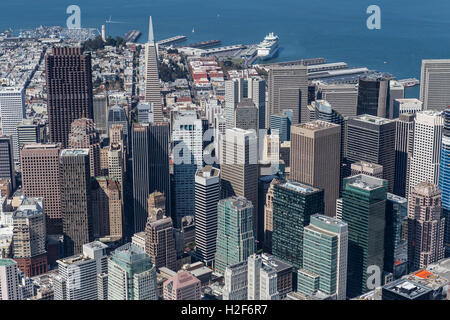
(131,275)
(364,210)
(235,234)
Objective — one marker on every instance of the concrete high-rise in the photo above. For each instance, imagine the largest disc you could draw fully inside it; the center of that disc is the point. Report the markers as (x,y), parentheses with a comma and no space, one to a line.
(288,89)
(207,195)
(325,248)
(77,274)
(246,115)
(262,280)
(100,111)
(150,168)
(160,241)
(435,84)
(374,95)
(69,90)
(235,233)
(426,155)
(28,131)
(41,179)
(239,167)
(233,94)
(131,275)
(83,135)
(12,111)
(372,139)
(107,208)
(30,237)
(152,89)
(404,141)
(9,280)
(315,158)
(236,282)
(76,210)
(257,92)
(425,226)
(293,205)
(364,210)
(342,97)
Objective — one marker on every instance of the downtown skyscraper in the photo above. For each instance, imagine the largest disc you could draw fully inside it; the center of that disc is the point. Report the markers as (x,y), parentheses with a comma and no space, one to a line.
(239,167)
(76,195)
(325,248)
(425,226)
(207,195)
(364,210)
(315,158)
(150,167)
(69,90)
(41,179)
(372,139)
(425,160)
(435,84)
(293,205)
(152,89)
(187,139)
(288,89)
(12,111)
(235,235)
(444,177)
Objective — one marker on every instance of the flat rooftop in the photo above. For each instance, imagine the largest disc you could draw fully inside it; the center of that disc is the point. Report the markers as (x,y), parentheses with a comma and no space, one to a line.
(372,119)
(316,125)
(299,187)
(407,288)
(74,152)
(365,182)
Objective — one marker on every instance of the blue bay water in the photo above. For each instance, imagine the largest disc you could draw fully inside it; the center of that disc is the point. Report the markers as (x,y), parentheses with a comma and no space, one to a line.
(334,29)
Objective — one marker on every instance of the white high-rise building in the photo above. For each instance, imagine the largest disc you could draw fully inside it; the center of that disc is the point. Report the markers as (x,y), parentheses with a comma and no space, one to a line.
(219,132)
(233,94)
(76,279)
(9,277)
(187,137)
(12,111)
(236,280)
(207,195)
(435,84)
(425,160)
(262,279)
(257,92)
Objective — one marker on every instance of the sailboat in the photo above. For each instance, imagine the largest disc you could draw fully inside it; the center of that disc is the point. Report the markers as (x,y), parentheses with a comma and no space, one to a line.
(193,30)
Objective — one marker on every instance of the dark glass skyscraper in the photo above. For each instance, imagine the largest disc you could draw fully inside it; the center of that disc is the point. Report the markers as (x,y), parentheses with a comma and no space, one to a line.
(373,95)
(293,204)
(150,144)
(69,90)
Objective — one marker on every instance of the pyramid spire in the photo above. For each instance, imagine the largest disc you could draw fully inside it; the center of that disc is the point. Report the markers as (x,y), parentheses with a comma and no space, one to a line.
(151,37)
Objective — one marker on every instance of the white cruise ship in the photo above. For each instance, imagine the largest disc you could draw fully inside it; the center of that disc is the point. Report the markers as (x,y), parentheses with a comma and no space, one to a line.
(268,48)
